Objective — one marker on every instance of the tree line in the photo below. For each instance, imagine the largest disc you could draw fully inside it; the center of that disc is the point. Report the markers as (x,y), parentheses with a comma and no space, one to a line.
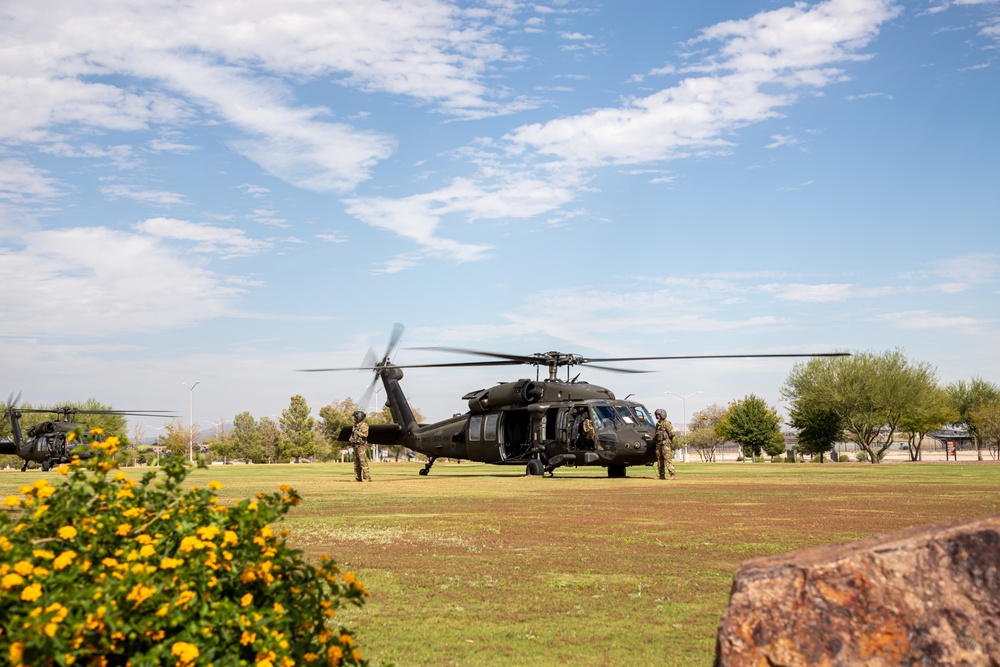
(868,398)
(294,436)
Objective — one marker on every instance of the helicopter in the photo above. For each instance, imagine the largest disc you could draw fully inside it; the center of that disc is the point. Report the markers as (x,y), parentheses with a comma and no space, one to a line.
(535,423)
(45,442)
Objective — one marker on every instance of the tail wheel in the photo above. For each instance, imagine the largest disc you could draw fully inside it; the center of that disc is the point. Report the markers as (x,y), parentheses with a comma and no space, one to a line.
(616,471)
(535,468)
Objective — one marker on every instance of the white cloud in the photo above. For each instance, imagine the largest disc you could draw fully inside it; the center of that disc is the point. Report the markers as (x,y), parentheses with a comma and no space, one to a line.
(21,182)
(789,48)
(967,270)
(143,195)
(780,140)
(227,242)
(821,293)
(98,282)
(918,320)
(131,66)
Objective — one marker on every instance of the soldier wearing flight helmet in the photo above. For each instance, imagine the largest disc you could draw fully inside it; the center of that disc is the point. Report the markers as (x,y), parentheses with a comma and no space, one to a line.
(359,439)
(664,444)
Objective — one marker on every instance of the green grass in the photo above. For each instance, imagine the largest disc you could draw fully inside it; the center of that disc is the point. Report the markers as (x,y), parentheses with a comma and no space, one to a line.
(479,565)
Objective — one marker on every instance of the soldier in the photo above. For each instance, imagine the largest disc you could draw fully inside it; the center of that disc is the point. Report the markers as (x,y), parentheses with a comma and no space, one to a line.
(359,438)
(589,434)
(664,444)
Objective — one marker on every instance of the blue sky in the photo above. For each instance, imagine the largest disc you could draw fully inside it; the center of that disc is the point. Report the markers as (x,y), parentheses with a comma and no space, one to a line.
(225,192)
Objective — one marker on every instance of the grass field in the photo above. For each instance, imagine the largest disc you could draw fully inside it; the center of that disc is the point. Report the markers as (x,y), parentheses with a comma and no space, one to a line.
(479,565)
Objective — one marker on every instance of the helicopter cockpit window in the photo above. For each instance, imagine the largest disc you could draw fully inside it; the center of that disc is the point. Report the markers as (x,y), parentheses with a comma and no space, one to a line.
(643,415)
(625,414)
(41,445)
(605,416)
(475,423)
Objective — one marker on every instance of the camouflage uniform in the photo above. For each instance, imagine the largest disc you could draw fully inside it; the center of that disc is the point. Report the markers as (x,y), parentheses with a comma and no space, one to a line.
(359,438)
(664,447)
(588,432)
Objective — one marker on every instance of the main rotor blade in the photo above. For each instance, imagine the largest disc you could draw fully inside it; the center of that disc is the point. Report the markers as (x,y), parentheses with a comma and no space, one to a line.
(722,356)
(615,370)
(375,368)
(519,358)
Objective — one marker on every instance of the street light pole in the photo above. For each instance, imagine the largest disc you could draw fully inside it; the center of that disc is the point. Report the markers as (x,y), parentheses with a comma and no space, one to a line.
(191,418)
(684,401)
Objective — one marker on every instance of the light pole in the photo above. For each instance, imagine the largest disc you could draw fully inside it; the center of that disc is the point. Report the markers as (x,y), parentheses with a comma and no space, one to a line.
(684,399)
(191,418)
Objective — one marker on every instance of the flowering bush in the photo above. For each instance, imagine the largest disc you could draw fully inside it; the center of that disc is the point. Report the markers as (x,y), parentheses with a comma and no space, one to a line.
(98,569)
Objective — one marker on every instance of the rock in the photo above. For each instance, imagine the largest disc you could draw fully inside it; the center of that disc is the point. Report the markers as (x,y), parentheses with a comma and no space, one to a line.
(929,595)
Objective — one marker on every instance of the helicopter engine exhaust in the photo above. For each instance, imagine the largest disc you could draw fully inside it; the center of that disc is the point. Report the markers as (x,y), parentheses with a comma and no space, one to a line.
(522,392)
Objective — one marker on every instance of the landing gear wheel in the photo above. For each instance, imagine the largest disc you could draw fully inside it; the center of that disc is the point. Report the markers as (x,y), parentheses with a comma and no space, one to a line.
(616,471)
(427,468)
(535,468)
(423,471)
(46,465)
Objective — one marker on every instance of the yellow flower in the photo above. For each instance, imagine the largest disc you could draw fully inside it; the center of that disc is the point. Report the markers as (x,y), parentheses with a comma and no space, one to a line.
(147,550)
(184,598)
(252,506)
(143,539)
(356,654)
(285,488)
(170,563)
(229,537)
(347,640)
(208,532)
(246,600)
(215,486)
(42,509)
(67,532)
(46,491)
(70,437)
(11,501)
(185,652)
(43,554)
(248,638)
(63,470)
(10,580)
(16,651)
(124,529)
(97,430)
(63,560)
(23,568)
(31,593)
(50,629)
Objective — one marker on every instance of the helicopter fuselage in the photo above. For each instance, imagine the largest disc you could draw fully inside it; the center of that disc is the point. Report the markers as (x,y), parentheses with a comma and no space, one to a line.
(518,423)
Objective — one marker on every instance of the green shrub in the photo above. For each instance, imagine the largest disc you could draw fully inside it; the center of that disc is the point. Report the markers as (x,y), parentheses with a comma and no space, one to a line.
(101,570)
(861,456)
(844,458)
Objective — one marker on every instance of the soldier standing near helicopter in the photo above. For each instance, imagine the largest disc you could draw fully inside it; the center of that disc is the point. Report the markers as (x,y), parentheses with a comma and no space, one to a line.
(664,444)
(359,438)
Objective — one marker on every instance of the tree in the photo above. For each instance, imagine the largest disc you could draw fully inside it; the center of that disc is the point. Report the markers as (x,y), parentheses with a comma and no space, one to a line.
(297,429)
(754,425)
(987,418)
(178,438)
(966,398)
(247,443)
(270,439)
(932,409)
(871,393)
(820,428)
(702,434)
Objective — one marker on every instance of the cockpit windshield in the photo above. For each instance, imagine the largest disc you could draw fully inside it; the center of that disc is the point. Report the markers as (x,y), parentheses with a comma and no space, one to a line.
(643,415)
(606,416)
(625,414)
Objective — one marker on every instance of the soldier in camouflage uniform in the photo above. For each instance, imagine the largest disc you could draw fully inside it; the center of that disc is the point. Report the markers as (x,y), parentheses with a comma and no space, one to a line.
(664,444)
(359,438)
(589,435)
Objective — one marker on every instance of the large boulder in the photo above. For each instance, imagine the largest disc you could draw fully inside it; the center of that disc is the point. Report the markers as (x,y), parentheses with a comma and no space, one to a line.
(929,595)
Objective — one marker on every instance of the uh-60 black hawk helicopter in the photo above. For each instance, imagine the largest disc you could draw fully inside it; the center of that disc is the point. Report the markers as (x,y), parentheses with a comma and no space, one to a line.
(534,423)
(45,442)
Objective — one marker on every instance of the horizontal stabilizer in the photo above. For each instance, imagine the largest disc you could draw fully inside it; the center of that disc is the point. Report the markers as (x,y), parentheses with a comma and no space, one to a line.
(378,434)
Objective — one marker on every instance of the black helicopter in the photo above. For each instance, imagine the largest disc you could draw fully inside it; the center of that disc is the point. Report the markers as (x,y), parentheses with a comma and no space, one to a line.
(534,423)
(45,442)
